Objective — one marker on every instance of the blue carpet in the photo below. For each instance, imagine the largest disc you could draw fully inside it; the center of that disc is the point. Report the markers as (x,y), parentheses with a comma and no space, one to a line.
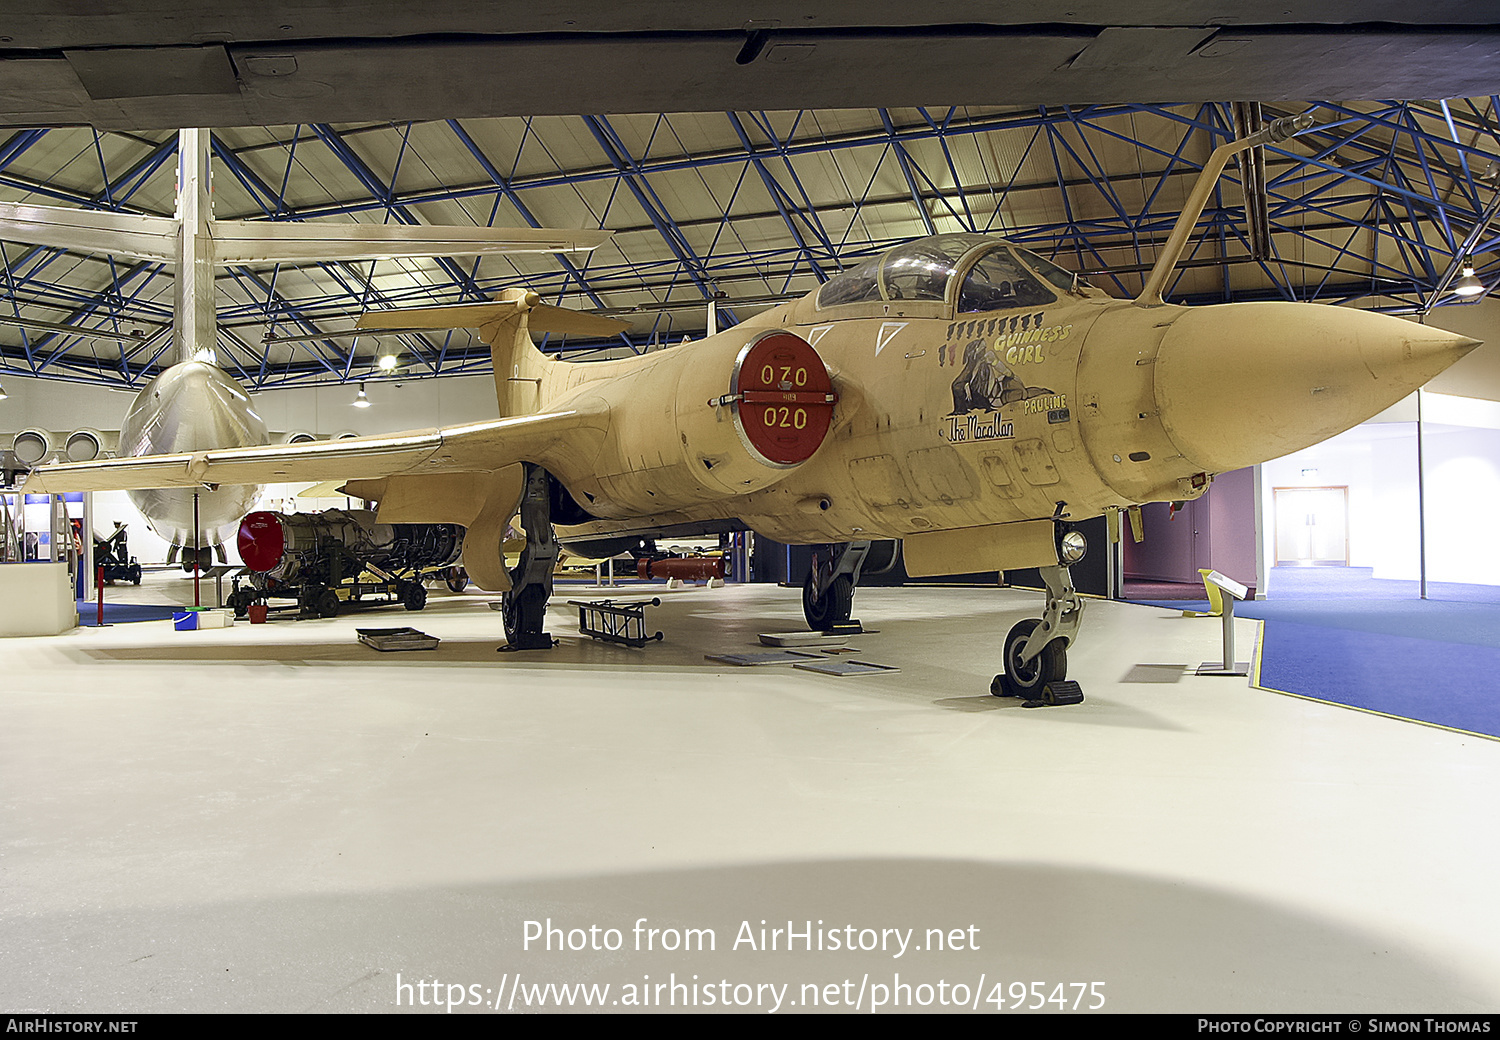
(121,613)
(1339,634)
(1420,679)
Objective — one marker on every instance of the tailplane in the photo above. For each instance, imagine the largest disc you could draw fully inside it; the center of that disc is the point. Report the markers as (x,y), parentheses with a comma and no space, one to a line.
(506,325)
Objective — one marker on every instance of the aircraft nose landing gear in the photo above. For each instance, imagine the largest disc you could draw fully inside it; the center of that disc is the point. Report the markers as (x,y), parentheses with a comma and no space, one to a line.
(828,593)
(1036,650)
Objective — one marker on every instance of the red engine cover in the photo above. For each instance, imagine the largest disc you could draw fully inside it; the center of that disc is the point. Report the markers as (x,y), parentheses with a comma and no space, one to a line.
(783,398)
(261,541)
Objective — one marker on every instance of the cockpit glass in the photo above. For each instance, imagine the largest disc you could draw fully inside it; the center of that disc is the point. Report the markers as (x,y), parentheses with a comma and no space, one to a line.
(1063,279)
(915,271)
(854,286)
(920,270)
(997,282)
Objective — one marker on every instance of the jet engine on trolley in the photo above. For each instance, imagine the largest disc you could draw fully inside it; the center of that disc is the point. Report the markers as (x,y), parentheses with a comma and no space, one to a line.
(336,557)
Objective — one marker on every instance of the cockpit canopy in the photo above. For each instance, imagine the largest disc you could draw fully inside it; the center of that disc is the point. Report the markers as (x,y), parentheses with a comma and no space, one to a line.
(971,272)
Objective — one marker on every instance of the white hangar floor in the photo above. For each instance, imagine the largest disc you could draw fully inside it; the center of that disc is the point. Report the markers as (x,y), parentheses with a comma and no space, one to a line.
(279,819)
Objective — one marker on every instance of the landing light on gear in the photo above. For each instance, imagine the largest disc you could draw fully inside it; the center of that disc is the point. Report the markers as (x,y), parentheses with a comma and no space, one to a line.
(1072,547)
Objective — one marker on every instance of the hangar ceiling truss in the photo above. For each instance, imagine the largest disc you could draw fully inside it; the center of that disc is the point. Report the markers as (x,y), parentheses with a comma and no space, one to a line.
(1379,203)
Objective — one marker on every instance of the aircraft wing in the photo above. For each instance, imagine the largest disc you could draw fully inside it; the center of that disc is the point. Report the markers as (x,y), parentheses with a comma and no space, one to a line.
(252,241)
(135,235)
(478,447)
(540,317)
(144,237)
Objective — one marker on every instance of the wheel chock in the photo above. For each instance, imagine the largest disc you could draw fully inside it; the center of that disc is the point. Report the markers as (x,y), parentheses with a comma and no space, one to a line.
(529,641)
(1056,694)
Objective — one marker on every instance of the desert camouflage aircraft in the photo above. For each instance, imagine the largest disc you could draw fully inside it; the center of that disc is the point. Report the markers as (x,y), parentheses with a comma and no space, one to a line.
(958,393)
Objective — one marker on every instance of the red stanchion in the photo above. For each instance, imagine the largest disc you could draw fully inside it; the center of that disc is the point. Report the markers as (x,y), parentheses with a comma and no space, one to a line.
(100,569)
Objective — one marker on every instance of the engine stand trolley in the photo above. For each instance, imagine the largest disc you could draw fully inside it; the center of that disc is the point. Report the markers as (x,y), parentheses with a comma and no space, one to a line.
(613,622)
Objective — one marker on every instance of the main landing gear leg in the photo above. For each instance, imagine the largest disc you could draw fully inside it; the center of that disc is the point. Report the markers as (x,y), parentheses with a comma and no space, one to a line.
(525,605)
(828,593)
(1036,658)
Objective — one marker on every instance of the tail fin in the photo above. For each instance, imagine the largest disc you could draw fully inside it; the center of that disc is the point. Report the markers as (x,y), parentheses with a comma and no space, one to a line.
(506,325)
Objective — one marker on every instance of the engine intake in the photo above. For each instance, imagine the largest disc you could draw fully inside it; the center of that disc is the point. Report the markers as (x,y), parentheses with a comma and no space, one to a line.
(782,398)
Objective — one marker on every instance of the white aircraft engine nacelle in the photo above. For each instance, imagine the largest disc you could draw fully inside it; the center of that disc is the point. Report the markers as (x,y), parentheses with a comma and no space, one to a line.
(32,446)
(83,445)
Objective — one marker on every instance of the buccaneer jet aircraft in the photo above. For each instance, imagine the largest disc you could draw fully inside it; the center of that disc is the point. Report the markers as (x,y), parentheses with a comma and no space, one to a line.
(958,393)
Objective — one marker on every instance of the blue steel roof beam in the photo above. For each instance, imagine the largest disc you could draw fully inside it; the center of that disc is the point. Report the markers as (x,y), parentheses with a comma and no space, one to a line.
(1100,181)
(289,310)
(725,223)
(1036,134)
(727,208)
(1321,130)
(109,198)
(1237,226)
(473,271)
(1441,211)
(1330,207)
(243,275)
(89,306)
(1395,174)
(121,188)
(261,193)
(1483,123)
(17,144)
(1392,233)
(807,212)
(1328,178)
(616,152)
(938,195)
(291,164)
(513,196)
(1387,156)
(1463,177)
(387,198)
(629,174)
(1350,174)
(1174,159)
(858,210)
(610,174)
(958,184)
(1354,233)
(73,370)
(903,161)
(1284,283)
(135,175)
(912,169)
(1406,248)
(15,307)
(1074,231)
(1390,120)
(341,273)
(780,199)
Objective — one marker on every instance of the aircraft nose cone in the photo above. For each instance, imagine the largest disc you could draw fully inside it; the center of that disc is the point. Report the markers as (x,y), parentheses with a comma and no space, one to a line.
(1237,384)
